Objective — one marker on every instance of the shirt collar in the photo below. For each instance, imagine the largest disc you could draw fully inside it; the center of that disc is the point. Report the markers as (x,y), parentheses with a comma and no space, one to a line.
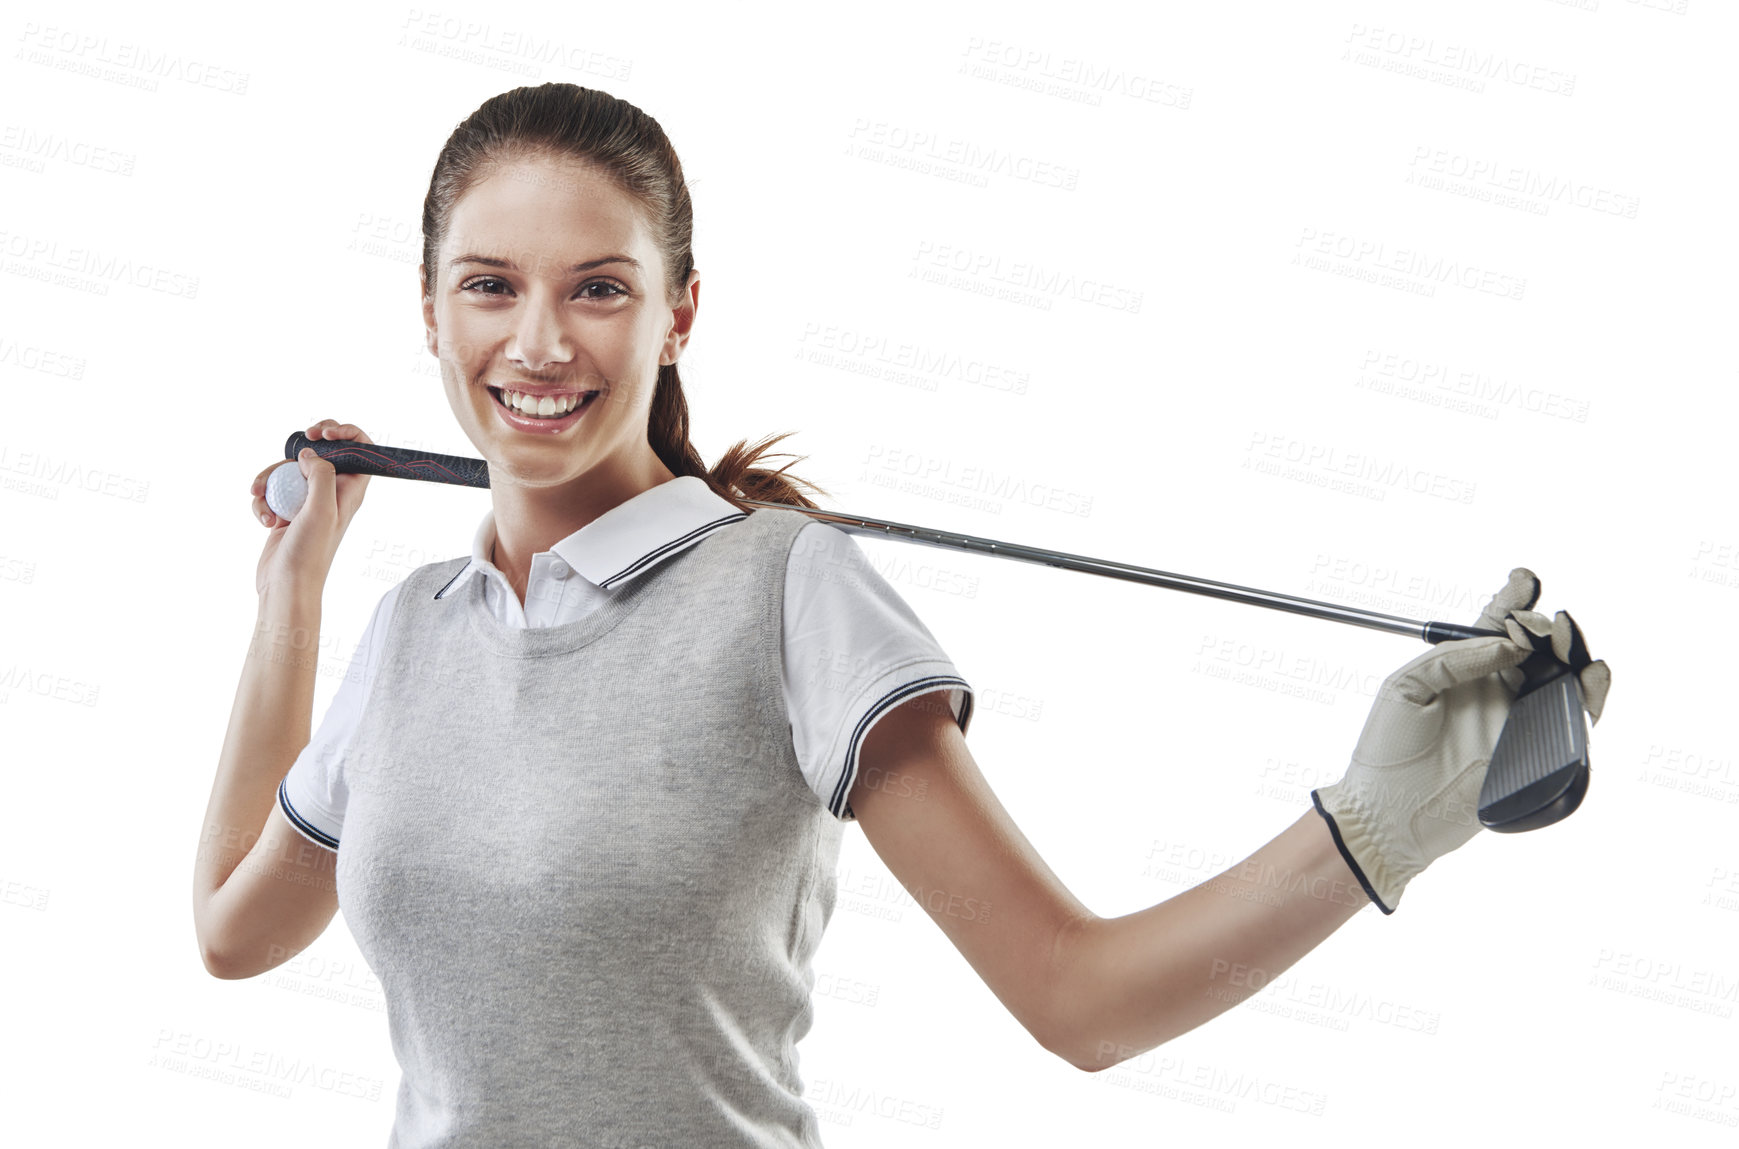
(626,540)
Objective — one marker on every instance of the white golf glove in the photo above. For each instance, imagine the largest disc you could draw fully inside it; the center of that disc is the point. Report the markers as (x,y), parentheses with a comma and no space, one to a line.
(1563,638)
(1411,792)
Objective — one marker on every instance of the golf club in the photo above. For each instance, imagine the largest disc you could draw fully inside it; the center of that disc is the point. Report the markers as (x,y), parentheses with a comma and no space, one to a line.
(1538,772)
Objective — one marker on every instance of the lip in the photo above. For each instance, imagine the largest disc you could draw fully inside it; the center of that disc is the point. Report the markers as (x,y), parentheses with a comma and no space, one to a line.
(539,426)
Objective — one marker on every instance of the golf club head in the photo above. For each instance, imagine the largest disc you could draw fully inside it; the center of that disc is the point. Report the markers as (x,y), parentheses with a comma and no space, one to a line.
(1539,769)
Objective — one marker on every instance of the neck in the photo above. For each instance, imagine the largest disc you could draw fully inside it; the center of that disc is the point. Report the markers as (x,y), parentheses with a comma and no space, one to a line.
(531,520)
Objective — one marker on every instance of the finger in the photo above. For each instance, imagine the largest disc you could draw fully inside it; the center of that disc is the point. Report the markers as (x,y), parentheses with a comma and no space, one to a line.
(1596,679)
(1567,642)
(258,487)
(332,429)
(1521,592)
(1529,628)
(1522,576)
(1537,624)
(1450,664)
(321,476)
(259,508)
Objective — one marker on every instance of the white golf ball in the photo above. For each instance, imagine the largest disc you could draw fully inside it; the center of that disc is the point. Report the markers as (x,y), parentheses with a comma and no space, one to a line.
(286,489)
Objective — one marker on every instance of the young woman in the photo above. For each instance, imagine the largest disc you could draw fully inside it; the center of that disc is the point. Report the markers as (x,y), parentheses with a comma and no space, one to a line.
(583,792)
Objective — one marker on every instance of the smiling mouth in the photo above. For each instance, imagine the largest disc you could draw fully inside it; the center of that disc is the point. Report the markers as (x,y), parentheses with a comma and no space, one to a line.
(550,407)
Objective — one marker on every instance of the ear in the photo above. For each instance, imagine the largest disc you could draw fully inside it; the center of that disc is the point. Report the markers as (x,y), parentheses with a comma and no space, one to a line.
(431,337)
(682,321)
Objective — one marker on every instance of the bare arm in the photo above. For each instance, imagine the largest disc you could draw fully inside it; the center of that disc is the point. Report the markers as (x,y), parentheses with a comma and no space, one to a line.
(1092,990)
(261,891)
(1130,983)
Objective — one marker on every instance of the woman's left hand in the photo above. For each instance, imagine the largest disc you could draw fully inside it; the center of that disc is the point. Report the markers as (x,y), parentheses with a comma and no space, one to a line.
(1411,792)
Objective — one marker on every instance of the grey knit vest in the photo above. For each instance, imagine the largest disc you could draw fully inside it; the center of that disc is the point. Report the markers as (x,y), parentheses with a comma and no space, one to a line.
(585,866)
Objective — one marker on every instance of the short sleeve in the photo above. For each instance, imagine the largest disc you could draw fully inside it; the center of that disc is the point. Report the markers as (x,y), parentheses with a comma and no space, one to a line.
(313,793)
(853,650)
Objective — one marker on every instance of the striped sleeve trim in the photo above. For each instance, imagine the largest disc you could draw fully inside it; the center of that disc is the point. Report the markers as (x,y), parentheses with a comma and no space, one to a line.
(307,829)
(836,805)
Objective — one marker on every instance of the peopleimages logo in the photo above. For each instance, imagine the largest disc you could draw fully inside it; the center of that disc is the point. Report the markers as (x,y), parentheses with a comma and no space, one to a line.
(877,354)
(902,146)
(1425,57)
(39,258)
(1419,266)
(887,466)
(1271,454)
(1066,77)
(987,270)
(1476,390)
(135,65)
(1540,189)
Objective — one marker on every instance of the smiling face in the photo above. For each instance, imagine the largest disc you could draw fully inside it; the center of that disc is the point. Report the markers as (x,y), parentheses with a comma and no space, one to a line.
(548,284)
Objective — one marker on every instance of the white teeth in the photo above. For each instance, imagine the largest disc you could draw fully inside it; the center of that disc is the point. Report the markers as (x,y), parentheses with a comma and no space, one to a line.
(544,406)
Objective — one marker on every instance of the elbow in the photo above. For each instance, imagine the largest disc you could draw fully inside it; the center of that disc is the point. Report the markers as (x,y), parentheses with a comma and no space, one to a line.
(1086,1066)
(219,960)
(217,967)
(1086,1024)
(224,966)
(214,961)
(1094,1055)
(1072,1054)
(1088,1053)
(1072,1028)
(211,955)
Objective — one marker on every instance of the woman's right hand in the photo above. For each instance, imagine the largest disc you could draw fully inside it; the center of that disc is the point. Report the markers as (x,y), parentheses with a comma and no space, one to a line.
(299,552)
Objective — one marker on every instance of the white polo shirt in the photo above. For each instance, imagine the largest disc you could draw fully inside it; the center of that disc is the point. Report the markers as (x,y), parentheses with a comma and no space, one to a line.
(852,647)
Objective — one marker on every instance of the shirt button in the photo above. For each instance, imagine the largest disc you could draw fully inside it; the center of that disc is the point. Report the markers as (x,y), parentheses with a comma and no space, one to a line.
(558,569)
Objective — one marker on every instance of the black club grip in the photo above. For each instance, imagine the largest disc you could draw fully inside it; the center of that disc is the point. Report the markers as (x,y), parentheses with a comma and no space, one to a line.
(352,458)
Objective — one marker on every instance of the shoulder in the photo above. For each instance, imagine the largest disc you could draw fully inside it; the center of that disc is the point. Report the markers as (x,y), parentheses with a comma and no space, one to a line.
(825,562)
(853,650)
(777,525)
(820,540)
(765,538)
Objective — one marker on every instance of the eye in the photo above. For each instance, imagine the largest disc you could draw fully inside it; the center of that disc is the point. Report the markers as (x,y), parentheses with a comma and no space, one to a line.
(481,284)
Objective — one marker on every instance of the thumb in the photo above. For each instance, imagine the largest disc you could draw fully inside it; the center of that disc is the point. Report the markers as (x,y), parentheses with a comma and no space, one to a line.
(322,479)
(1451,664)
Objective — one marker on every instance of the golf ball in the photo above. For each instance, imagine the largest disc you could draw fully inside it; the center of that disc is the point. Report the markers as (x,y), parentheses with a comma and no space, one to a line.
(286,489)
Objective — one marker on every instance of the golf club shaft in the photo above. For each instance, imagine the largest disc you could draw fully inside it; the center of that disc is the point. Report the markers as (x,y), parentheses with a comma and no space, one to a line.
(350,457)
(882,528)
(1538,771)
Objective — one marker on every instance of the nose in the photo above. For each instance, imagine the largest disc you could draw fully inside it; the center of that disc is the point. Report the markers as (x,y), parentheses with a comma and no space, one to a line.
(538,339)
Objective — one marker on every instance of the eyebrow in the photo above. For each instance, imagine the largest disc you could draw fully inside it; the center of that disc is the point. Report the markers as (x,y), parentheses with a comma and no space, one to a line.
(575,269)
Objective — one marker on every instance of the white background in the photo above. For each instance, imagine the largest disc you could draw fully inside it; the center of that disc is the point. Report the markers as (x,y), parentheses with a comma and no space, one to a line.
(1215,368)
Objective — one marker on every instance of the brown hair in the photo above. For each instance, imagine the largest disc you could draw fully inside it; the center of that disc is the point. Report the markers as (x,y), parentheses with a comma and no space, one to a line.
(627,145)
